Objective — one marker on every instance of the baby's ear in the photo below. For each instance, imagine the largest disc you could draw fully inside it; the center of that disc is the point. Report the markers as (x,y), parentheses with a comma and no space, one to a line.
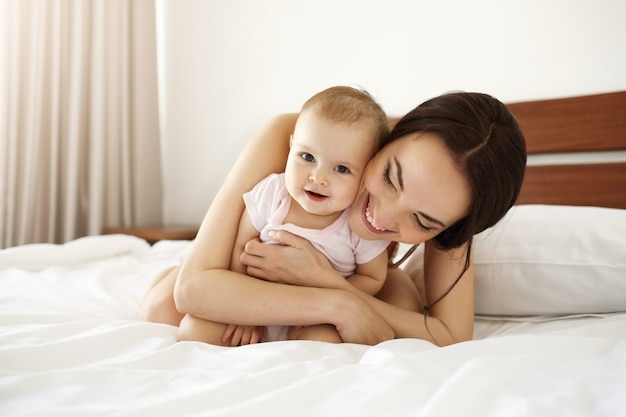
(290,140)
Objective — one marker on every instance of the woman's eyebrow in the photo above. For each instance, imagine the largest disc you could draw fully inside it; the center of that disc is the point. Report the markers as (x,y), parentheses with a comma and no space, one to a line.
(399,173)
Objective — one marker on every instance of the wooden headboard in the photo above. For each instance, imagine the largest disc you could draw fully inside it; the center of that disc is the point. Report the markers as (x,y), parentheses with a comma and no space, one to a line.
(588,129)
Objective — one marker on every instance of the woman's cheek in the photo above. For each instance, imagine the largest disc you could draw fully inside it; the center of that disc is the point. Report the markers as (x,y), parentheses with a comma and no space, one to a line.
(356,221)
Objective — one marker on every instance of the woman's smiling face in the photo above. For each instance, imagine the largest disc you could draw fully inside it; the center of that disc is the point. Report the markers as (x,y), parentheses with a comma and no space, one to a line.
(411,191)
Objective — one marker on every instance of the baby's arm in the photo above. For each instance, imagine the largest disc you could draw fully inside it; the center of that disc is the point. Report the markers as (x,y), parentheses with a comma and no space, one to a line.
(369,277)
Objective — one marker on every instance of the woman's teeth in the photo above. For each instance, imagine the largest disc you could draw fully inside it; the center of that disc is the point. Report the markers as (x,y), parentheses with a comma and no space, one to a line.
(371,220)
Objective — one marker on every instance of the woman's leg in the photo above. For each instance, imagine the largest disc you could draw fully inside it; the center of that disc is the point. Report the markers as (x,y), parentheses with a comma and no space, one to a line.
(199,330)
(158,304)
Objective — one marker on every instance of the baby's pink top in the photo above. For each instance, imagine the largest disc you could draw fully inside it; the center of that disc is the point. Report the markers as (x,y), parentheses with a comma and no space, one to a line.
(268,204)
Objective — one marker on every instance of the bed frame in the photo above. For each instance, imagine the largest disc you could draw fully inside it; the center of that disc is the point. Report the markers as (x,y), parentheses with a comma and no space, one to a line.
(576,150)
(590,130)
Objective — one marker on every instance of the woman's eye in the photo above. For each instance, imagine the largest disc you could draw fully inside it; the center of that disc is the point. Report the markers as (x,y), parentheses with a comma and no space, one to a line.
(342,169)
(308,157)
(388,178)
(421,225)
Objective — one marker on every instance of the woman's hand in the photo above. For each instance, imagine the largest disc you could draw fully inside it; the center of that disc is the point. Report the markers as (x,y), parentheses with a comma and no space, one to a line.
(297,262)
(294,261)
(357,322)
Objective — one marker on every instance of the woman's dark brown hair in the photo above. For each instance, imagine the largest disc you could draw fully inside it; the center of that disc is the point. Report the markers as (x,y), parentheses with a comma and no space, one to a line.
(485,141)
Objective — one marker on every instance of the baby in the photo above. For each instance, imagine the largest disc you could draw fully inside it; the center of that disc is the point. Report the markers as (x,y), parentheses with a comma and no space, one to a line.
(337,132)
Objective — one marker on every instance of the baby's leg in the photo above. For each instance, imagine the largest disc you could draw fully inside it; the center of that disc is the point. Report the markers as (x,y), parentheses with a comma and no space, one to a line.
(320,332)
(200,330)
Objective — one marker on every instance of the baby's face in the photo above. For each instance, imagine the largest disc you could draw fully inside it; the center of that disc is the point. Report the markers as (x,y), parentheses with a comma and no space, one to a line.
(326,162)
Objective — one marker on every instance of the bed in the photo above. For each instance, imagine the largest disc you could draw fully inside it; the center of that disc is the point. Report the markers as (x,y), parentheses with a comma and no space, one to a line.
(550,333)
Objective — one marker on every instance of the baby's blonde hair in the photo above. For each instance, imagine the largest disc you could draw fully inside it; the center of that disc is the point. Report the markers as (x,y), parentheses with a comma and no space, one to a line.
(349,105)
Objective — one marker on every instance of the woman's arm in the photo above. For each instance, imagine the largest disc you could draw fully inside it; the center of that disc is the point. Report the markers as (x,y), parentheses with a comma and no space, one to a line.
(449,321)
(264,154)
(452,317)
(209,258)
(207,289)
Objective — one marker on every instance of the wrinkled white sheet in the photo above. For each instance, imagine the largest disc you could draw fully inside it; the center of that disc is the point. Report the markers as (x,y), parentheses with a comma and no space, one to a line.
(71,345)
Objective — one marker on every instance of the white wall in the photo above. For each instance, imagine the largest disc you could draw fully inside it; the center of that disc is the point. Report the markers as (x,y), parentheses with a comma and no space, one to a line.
(227,65)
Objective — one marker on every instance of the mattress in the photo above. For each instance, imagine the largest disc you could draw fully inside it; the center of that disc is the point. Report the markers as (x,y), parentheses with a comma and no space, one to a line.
(71,345)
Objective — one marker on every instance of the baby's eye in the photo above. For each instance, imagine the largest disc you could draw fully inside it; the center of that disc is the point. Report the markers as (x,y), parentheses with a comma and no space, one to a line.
(307,157)
(342,169)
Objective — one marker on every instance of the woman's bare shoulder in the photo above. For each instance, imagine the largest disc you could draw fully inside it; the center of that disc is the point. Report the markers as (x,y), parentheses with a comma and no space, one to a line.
(279,126)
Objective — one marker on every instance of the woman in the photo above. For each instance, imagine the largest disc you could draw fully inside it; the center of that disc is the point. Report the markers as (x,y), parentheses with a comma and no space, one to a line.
(453,167)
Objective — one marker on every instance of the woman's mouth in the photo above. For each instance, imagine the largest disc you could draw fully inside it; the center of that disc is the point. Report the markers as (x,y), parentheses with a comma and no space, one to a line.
(369,220)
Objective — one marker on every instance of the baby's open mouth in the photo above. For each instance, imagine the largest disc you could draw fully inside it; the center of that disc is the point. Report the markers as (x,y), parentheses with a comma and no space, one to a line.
(315,196)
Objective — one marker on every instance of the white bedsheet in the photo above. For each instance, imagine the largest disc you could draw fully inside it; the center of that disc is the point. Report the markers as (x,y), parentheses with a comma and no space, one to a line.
(71,345)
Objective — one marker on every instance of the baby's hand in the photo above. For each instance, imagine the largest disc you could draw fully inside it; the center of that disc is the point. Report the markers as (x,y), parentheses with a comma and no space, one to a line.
(239,335)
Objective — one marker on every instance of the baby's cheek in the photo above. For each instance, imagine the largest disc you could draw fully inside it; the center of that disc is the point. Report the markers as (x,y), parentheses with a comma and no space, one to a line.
(349,196)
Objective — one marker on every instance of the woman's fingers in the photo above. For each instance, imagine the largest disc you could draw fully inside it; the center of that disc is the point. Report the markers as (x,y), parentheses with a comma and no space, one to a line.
(288,239)
(263,260)
(293,261)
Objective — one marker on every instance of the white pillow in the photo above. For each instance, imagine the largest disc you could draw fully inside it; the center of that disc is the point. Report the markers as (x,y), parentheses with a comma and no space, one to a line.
(548,260)
(552,260)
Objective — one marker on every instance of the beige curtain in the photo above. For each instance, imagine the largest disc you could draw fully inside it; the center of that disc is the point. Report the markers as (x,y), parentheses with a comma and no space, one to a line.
(79,140)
